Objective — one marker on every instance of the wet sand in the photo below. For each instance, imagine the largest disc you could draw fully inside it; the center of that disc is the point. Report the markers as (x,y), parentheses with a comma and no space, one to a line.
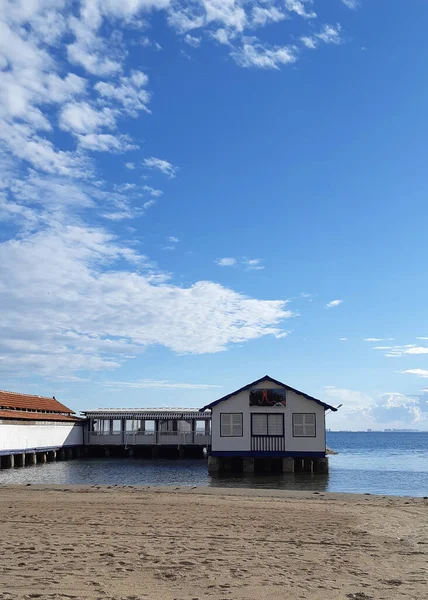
(134,543)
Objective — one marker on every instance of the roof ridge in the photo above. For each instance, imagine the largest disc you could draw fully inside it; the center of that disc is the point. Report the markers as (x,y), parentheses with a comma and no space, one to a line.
(24,394)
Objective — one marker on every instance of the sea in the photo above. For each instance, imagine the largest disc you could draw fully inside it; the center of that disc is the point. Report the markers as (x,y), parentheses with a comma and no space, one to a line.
(389,463)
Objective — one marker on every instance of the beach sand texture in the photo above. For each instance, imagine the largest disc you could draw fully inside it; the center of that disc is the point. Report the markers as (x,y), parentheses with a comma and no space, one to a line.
(217,544)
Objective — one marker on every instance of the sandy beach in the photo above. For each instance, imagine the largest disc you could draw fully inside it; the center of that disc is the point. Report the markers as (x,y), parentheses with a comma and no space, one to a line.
(133,543)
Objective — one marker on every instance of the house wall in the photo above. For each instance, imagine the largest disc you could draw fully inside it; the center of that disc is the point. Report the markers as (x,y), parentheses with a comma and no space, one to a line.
(240,403)
(31,436)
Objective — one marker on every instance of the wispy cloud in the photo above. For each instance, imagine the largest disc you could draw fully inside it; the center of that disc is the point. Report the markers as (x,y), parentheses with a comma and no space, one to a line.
(160,384)
(351,3)
(343,339)
(407,350)
(333,303)
(250,264)
(193,41)
(163,166)
(152,191)
(328,34)
(299,7)
(253,264)
(253,53)
(419,372)
(173,240)
(373,339)
(226,262)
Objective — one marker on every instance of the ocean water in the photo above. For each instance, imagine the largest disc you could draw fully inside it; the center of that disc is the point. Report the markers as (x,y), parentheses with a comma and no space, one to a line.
(373,463)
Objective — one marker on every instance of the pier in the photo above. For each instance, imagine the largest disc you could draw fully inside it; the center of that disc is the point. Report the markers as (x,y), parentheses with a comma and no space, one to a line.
(148,432)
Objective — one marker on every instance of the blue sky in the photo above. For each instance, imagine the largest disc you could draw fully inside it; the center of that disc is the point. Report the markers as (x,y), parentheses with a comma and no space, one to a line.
(195,194)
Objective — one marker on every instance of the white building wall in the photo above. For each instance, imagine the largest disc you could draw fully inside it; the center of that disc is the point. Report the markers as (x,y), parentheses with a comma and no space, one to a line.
(30,436)
(295,403)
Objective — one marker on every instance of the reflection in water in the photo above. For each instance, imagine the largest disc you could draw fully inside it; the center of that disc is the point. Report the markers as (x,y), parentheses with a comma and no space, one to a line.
(288,481)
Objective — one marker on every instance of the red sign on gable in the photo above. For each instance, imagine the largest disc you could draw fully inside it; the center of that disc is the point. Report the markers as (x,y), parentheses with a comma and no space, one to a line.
(260,397)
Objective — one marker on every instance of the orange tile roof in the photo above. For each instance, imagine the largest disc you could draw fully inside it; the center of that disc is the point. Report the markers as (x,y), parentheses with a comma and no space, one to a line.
(29,416)
(16,400)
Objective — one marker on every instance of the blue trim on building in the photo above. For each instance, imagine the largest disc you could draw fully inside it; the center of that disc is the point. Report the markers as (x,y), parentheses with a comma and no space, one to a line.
(261,454)
(35,450)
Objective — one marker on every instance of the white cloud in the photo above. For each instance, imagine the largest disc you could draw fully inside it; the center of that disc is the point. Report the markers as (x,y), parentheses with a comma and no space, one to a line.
(105,142)
(373,339)
(298,6)
(146,384)
(226,262)
(419,372)
(163,166)
(173,239)
(81,118)
(422,338)
(309,42)
(129,92)
(223,36)
(253,53)
(330,34)
(152,191)
(254,264)
(130,166)
(69,308)
(350,3)
(343,339)
(333,303)
(407,350)
(361,410)
(260,16)
(193,41)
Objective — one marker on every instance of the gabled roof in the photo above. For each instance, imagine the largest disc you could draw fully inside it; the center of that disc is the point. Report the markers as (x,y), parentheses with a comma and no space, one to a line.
(276,382)
(31,402)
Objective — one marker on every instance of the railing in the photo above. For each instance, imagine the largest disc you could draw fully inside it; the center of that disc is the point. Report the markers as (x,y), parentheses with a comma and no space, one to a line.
(136,438)
(267,444)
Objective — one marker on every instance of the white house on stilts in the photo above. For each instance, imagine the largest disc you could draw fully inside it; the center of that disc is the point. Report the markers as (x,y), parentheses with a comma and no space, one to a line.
(268,425)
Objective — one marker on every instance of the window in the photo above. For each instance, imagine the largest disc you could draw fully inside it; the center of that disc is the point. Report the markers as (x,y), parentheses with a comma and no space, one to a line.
(231,425)
(270,424)
(304,425)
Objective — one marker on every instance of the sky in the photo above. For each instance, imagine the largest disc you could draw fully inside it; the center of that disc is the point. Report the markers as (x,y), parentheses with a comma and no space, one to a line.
(194,194)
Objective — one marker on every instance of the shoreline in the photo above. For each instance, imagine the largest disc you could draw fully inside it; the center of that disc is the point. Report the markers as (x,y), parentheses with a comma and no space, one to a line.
(187,543)
(216,491)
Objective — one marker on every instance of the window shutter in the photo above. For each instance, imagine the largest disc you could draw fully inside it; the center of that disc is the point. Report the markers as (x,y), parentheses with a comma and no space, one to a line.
(304,425)
(275,424)
(236,425)
(226,424)
(231,424)
(259,424)
(310,425)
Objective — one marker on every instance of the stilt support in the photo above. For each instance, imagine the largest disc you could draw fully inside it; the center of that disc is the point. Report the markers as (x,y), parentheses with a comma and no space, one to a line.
(320,465)
(8,461)
(19,460)
(248,465)
(288,465)
(31,459)
(41,457)
(213,465)
(51,456)
(307,465)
